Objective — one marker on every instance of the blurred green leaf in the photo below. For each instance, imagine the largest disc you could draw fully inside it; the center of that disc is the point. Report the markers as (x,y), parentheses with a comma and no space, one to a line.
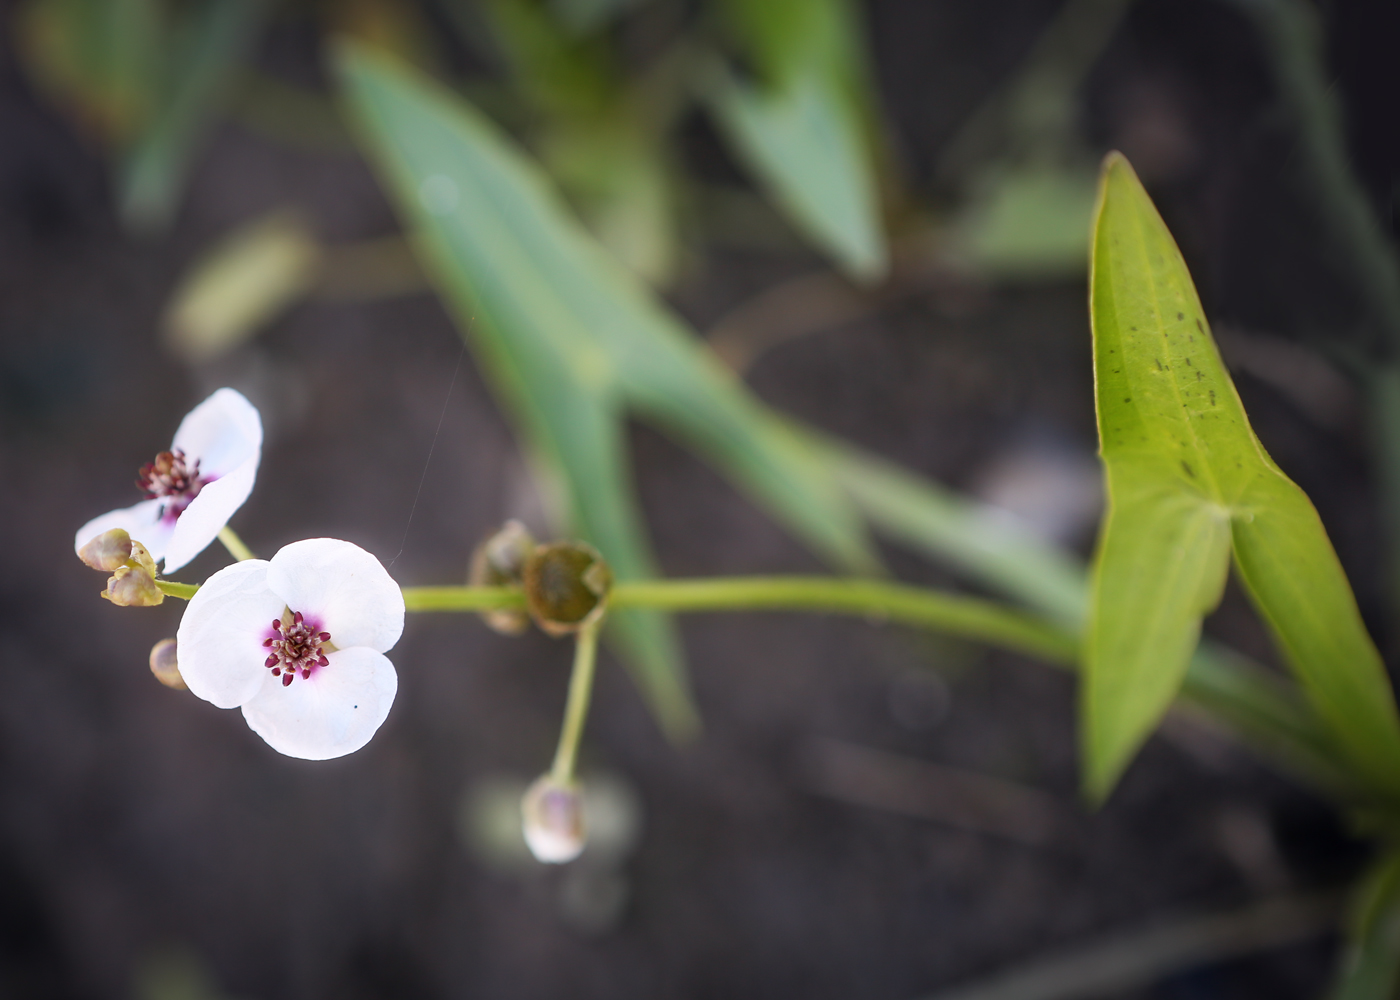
(1186,475)
(246,280)
(1027,223)
(572,342)
(557,72)
(101,58)
(203,50)
(802,124)
(586,16)
(1370,967)
(592,130)
(616,174)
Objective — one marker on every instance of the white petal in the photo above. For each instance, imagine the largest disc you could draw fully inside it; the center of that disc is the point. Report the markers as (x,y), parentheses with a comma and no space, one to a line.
(343,588)
(222,432)
(142,522)
(333,712)
(200,522)
(219,642)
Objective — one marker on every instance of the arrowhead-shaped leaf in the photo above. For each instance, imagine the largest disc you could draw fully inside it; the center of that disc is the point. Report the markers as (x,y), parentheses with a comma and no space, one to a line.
(1187,479)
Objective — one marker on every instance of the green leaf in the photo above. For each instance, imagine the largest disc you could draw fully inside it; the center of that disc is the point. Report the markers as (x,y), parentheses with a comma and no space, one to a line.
(1027,222)
(1261,708)
(204,52)
(102,59)
(572,342)
(1370,966)
(242,283)
(1187,478)
(802,126)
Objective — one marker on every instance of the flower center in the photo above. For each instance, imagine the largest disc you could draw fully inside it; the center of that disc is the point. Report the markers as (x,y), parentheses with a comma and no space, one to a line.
(171,475)
(296,647)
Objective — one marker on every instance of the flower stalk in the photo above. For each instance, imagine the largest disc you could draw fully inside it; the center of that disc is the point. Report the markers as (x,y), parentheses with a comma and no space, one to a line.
(968,617)
(576,708)
(234,544)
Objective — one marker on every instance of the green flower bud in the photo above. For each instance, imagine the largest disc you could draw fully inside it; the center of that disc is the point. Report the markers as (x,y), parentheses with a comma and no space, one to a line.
(163,665)
(552,815)
(133,585)
(566,586)
(107,551)
(499,561)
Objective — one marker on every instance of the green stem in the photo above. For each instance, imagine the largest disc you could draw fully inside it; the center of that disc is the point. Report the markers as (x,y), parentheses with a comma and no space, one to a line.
(1257,706)
(461,598)
(576,710)
(964,616)
(968,617)
(234,544)
(184,591)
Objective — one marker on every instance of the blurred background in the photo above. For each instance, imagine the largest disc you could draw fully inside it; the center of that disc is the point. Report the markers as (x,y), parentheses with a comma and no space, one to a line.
(876,213)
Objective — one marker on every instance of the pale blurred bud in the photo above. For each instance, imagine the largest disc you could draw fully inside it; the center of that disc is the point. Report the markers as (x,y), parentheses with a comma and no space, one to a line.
(566,586)
(107,551)
(133,585)
(553,821)
(499,561)
(163,665)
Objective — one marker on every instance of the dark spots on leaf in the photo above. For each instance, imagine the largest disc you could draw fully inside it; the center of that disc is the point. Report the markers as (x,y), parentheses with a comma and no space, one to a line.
(1212,397)
(1179,317)
(1188,469)
(1157,363)
(1201,329)
(1199,376)
(1127,399)
(1189,364)
(1133,328)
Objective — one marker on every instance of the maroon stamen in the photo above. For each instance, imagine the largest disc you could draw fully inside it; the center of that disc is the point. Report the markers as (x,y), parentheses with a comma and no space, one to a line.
(296,648)
(172,477)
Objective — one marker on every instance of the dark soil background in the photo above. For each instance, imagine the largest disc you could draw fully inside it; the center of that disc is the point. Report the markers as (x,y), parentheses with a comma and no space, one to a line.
(138,823)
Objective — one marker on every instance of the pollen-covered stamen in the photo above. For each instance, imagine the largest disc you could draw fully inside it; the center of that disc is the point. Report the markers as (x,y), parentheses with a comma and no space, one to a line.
(296,648)
(171,475)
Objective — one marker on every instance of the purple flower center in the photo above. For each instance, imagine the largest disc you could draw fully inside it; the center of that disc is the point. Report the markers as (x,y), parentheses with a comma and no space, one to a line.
(295,648)
(173,477)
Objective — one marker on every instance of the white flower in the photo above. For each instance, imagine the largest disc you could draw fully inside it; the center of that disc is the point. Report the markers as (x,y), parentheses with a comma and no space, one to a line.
(195,487)
(298,643)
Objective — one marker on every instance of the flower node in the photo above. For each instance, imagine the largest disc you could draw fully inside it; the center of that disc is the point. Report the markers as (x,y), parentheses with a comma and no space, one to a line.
(297,647)
(171,476)
(499,561)
(566,586)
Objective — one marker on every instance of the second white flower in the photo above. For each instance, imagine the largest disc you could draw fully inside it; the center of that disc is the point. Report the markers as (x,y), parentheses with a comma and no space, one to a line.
(298,643)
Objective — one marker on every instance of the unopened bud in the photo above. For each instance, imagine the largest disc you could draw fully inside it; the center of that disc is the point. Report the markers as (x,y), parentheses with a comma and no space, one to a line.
(133,585)
(566,586)
(163,665)
(499,561)
(553,821)
(107,551)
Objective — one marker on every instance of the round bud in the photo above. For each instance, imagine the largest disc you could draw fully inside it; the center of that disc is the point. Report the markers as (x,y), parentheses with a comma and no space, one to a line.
(566,586)
(499,561)
(163,665)
(553,821)
(133,585)
(107,551)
